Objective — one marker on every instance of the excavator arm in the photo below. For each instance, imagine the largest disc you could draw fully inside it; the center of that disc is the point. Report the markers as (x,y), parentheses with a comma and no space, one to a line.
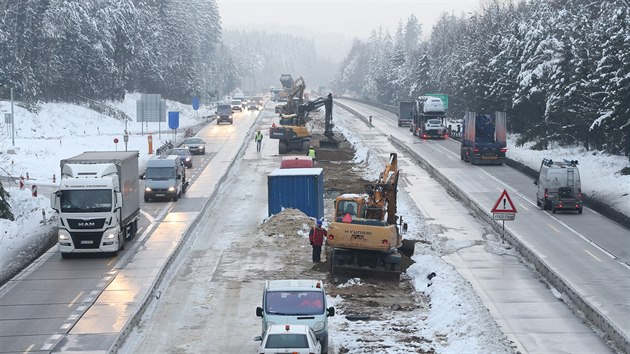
(382,195)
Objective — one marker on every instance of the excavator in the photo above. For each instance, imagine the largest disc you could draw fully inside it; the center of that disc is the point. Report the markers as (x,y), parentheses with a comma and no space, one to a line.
(364,234)
(292,131)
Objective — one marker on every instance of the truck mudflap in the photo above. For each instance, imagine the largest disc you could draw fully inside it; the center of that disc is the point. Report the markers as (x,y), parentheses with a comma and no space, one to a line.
(362,263)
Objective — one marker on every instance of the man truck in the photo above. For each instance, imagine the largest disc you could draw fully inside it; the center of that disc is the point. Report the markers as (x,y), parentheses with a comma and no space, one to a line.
(484,138)
(98,202)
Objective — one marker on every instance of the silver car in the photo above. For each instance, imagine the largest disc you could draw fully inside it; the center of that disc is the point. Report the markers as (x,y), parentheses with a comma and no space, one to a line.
(196,146)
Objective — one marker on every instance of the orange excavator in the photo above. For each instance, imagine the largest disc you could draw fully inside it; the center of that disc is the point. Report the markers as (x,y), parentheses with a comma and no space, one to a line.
(364,234)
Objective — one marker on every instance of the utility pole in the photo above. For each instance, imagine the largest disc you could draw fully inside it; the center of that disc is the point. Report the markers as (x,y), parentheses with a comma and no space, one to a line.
(12,120)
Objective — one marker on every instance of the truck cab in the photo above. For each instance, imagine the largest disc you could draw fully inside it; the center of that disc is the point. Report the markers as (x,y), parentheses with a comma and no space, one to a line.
(165,178)
(296,302)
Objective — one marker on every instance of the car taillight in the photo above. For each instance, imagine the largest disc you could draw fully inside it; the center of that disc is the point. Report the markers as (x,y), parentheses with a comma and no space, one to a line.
(385,242)
(504,150)
(475,150)
(546,193)
(331,237)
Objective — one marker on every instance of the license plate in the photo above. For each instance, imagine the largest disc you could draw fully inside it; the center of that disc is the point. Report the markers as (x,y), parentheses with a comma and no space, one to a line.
(488,157)
(87,242)
(160,195)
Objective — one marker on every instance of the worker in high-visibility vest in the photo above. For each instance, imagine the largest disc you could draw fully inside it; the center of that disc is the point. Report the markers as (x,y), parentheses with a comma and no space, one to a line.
(311,153)
(258,138)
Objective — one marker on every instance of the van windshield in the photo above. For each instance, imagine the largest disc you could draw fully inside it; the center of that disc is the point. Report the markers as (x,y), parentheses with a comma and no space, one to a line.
(224,109)
(294,303)
(164,173)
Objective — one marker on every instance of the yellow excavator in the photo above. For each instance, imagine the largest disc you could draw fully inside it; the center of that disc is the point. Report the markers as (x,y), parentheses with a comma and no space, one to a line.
(292,131)
(364,234)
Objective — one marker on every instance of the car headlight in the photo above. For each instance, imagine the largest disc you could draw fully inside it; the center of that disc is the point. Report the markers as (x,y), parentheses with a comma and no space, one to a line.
(110,236)
(318,326)
(147,189)
(171,189)
(188,159)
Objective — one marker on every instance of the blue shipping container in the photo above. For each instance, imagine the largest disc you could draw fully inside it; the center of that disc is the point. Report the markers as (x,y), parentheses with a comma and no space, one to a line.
(299,188)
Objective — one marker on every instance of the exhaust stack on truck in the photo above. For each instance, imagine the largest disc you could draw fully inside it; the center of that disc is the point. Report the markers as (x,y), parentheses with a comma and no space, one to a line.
(98,202)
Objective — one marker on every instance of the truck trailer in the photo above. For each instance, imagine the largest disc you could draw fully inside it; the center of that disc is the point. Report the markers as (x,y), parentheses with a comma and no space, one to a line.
(98,202)
(484,138)
(405,113)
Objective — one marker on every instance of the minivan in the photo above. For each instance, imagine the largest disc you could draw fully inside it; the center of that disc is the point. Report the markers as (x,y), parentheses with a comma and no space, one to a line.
(296,302)
(165,178)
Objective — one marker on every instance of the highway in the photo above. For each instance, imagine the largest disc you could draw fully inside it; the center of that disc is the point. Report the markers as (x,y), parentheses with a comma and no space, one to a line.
(82,304)
(587,252)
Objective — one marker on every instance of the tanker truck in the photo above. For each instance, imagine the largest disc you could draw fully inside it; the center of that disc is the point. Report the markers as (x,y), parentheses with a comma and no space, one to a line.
(98,202)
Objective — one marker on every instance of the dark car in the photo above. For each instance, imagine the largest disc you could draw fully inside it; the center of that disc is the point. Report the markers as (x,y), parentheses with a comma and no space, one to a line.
(184,154)
(196,146)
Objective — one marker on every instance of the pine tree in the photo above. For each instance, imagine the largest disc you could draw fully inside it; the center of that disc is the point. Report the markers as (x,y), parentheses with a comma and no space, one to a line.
(5,208)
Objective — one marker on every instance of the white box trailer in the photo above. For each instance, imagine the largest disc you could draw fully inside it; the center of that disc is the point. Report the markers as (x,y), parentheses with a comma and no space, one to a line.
(98,201)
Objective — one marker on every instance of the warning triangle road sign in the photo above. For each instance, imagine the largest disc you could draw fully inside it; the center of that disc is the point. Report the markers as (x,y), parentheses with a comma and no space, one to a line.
(504,204)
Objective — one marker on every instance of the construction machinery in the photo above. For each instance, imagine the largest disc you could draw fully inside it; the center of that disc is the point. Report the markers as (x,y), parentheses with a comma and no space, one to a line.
(292,131)
(364,234)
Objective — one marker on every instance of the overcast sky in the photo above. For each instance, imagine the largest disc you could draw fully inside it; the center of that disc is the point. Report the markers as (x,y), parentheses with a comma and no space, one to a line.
(353,18)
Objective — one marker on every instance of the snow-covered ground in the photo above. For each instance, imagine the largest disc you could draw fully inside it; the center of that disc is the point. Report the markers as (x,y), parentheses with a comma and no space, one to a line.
(61,130)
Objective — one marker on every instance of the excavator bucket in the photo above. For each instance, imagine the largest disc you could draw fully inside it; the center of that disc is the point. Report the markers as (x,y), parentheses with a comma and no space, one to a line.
(329,144)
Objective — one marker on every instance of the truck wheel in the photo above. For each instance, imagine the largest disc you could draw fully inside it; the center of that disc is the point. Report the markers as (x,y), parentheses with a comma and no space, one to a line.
(580,211)
(553,210)
(305,145)
(282,147)
(121,242)
(538,204)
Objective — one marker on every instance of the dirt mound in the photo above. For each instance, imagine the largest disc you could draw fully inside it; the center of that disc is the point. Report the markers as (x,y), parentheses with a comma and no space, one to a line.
(289,222)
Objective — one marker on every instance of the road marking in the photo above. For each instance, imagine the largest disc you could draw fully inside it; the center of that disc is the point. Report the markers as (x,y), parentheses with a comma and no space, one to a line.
(111,262)
(75,299)
(29,348)
(523,206)
(147,215)
(553,228)
(592,255)
(81,308)
(65,326)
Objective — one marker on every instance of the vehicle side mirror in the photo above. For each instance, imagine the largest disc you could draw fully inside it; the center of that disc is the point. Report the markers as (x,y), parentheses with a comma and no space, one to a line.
(331,311)
(143,176)
(258,339)
(119,200)
(259,312)
(54,198)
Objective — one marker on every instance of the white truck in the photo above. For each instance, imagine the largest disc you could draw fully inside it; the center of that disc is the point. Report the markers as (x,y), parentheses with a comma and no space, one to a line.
(98,202)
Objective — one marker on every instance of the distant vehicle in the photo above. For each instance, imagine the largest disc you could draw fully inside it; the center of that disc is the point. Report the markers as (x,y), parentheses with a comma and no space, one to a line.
(259,100)
(165,178)
(405,113)
(184,154)
(196,146)
(252,104)
(295,339)
(225,113)
(429,118)
(484,139)
(237,105)
(296,302)
(298,161)
(559,186)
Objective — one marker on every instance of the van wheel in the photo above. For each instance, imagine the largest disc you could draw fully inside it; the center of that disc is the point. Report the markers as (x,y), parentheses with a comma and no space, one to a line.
(538,203)
(175,198)
(553,210)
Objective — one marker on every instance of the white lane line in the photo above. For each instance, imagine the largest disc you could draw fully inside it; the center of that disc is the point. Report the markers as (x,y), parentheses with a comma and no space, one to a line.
(553,228)
(592,255)
(73,317)
(75,299)
(523,206)
(65,326)
(147,215)
(81,308)
(30,347)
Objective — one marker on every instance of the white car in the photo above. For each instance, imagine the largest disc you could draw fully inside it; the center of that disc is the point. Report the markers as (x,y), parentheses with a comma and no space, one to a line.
(297,339)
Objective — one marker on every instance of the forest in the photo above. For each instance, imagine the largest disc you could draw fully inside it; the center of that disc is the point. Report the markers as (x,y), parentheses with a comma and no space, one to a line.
(559,68)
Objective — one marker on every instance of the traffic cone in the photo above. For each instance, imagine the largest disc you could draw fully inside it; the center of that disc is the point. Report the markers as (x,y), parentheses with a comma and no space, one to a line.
(21,182)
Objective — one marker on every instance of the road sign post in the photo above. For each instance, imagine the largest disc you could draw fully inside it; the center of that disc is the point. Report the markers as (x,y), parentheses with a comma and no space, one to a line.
(504,209)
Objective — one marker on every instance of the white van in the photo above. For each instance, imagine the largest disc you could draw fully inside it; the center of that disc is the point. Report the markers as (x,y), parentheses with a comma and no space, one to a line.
(296,302)
(165,178)
(559,186)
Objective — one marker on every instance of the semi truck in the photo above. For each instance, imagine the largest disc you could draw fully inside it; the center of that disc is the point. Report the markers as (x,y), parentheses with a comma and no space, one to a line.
(484,138)
(428,118)
(405,113)
(98,202)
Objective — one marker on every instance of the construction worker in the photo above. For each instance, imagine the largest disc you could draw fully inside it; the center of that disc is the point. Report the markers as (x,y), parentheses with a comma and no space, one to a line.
(258,138)
(311,153)
(316,237)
